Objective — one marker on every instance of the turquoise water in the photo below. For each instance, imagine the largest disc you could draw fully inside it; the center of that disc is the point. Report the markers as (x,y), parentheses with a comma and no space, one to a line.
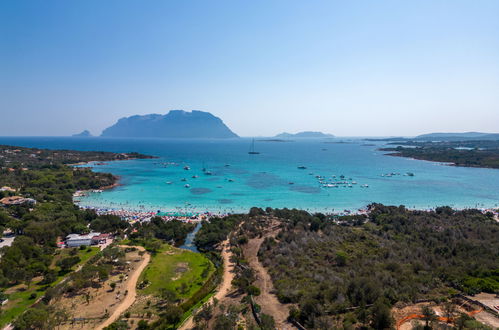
(240,181)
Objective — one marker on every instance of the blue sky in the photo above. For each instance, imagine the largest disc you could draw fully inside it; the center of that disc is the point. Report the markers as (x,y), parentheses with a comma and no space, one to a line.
(351,68)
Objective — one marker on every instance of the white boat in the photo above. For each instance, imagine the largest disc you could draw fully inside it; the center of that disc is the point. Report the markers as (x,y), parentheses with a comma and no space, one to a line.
(187,185)
(169,182)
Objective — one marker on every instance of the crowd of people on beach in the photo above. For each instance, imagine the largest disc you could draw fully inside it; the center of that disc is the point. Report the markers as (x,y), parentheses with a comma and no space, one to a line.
(144,216)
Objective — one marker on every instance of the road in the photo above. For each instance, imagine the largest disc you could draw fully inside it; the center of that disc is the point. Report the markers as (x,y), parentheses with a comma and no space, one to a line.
(132,292)
(224,287)
(267,299)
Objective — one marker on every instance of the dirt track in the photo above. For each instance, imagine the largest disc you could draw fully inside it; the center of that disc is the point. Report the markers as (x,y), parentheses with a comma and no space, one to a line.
(267,299)
(224,287)
(132,293)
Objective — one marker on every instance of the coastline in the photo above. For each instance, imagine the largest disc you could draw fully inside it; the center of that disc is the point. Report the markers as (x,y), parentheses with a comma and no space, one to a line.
(394,153)
(109,209)
(191,210)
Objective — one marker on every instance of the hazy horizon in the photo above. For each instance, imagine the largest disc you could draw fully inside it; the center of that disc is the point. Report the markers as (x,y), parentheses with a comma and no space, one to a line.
(359,69)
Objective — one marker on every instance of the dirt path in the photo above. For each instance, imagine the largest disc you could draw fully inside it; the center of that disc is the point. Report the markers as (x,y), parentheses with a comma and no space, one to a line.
(267,299)
(132,292)
(224,287)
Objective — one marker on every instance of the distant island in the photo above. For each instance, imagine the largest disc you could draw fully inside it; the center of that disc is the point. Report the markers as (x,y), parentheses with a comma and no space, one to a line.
(175,124)
(458,136)
(467,136)
(304,135)
(85,133)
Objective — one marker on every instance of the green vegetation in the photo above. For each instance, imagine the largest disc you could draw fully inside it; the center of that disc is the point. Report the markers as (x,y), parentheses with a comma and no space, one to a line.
(474,154)
(21,296)
(173,231)
(215,231)
(178,280)
(33,266)
(180,271)
(327,266)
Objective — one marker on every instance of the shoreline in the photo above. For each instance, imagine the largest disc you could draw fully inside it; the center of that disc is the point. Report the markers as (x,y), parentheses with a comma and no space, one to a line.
(394,153)
(193,214)
(192,211)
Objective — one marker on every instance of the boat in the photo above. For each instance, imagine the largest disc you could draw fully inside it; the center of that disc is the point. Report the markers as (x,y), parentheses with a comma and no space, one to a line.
(187,185)
(183,180)
(195,176)
(187,168)
(410,174)
(301,167)
(291,183)
(231,180)
(169,182)
(208,173)
(252,149)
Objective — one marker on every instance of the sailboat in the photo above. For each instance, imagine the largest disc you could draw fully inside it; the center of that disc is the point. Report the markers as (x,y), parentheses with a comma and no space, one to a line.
(252,148)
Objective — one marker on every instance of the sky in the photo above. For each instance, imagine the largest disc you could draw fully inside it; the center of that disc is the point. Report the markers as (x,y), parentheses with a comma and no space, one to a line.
(350,68)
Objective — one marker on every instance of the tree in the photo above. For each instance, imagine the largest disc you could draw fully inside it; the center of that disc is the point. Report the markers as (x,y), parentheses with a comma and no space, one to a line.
(168,295)
(33,318)
(142,325)
(253,290)
(429,316)
(173,314)
(267,323)
(205,313)
(67,263)
(449,310)
(381,316)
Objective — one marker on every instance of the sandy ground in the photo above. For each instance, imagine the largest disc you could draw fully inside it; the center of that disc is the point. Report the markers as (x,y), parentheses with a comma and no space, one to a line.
(483,316)
(267,299)
(224,288)
(102,300)
(132,292)
(486,317)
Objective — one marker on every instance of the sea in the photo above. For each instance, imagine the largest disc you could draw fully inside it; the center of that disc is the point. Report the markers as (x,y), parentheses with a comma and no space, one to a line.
(220,176)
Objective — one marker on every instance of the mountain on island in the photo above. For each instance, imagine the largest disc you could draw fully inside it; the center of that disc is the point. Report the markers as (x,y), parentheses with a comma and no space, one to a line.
(458,136)
(175,124)
(304,135)
(85,133)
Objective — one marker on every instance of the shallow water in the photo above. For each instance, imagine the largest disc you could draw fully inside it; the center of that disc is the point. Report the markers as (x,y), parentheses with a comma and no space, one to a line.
(240,181)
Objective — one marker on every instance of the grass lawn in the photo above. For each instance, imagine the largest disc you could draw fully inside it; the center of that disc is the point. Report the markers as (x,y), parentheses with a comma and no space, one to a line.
(20,296)
(181,271)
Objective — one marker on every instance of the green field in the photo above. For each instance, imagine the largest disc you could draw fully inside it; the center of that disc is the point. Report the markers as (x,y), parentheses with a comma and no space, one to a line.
(181,271)
(20,297)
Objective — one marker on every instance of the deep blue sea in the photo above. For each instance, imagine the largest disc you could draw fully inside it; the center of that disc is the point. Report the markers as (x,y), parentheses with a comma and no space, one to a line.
(272,178)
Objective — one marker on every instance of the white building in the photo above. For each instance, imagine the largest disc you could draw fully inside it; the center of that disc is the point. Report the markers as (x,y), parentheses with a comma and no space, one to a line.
(75,240)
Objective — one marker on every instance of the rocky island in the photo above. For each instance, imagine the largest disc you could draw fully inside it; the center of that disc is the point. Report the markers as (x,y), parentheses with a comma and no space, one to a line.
(175,124)
(304,135)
